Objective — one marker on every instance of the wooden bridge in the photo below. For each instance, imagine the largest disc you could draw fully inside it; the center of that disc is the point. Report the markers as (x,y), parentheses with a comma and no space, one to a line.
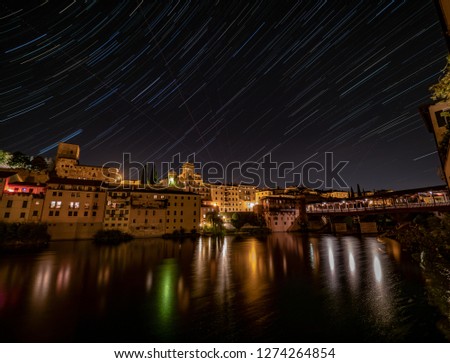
(344,209)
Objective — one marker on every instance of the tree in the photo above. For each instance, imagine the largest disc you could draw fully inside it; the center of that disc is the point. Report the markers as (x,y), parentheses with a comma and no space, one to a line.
(144,175)
(153,177)
(4,157)
(215,221)
(237,221)
(19,160)
(38,163)
(358,191)
(441,90)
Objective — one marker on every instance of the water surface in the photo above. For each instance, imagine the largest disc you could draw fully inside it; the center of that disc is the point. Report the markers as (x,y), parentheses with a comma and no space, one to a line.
(279,288)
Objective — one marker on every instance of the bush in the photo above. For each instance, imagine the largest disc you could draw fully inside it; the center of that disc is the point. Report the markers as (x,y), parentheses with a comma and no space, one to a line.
(21,236)
(112,236)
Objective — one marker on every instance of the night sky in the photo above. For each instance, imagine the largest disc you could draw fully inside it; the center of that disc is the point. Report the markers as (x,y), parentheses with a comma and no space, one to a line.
(229,81)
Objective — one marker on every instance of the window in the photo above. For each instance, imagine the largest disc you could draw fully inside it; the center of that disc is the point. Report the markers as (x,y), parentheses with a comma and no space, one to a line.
(35,213)
(74,205)
(22,215)
(70,213)
(54,194)
(7,215)
(181,212)
(85,214)
(60,194)
(174,212)
(57,213)
(75,214)
(50,213)
(94,214)
(9,204)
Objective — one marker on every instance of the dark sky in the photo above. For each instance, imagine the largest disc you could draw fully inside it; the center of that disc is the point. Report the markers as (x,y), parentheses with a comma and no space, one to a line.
(229,81)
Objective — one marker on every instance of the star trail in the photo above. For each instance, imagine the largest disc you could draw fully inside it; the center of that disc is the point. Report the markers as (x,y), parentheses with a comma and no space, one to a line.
(227,80)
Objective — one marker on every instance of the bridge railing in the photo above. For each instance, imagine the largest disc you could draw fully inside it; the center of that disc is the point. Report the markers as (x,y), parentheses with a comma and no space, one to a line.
(320,208)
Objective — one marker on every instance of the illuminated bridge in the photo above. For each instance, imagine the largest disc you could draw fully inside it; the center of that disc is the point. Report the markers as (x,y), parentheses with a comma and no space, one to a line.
(404,201)
(332,211)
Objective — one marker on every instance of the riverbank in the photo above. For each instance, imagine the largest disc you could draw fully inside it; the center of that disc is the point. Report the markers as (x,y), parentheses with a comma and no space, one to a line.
(427,240)
(23,237)
(426,233)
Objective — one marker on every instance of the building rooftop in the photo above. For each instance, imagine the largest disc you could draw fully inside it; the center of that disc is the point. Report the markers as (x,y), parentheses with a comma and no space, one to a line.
(55,180)
(7,173)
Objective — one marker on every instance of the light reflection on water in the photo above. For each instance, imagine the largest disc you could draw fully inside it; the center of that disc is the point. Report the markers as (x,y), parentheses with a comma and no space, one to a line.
(283,287)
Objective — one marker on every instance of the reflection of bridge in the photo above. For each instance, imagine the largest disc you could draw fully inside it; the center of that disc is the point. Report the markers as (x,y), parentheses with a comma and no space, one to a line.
(405,201)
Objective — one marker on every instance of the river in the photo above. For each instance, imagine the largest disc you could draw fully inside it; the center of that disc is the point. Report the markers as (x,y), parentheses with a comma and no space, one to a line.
(278,288)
